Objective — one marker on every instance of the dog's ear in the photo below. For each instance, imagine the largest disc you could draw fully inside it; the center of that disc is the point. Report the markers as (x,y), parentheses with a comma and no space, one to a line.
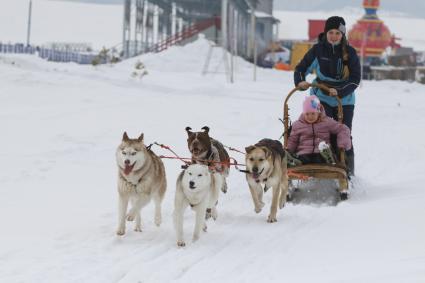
(250,148)
(188,130)
(206,129)
(140,139)
(267,151)
(125,137)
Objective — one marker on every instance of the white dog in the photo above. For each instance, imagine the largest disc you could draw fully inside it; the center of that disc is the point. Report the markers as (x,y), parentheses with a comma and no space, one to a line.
(141,177)
(198,187)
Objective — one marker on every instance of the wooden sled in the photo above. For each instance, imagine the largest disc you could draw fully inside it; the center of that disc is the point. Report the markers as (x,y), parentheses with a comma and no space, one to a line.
(318,171)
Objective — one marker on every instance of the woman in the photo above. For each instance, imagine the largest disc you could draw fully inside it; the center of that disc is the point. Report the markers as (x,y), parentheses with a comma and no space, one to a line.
(336,65)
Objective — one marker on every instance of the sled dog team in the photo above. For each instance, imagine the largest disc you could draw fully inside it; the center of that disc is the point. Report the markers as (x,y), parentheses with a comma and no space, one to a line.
(141,177)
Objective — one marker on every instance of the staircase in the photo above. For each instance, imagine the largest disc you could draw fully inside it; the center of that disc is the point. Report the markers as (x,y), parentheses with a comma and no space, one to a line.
(186,33)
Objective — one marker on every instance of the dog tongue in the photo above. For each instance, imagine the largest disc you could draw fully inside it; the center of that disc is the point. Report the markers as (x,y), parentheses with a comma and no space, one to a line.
(128,169)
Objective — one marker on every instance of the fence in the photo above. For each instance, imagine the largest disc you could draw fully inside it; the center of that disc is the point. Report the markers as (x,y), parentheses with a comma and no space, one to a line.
(52,54)
(17,48)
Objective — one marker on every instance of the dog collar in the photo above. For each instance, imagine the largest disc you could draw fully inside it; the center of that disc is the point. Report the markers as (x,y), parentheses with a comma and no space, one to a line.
(123,176)
(259,174)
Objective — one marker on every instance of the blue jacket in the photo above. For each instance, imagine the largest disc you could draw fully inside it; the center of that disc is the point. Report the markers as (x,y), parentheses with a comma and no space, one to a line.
(327,61)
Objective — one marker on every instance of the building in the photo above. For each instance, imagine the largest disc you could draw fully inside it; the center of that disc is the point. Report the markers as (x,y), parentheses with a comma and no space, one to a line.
(153,25)
(370,36)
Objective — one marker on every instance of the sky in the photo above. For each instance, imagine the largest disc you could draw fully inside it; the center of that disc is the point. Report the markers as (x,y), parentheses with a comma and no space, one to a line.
(414,8)
(105,29)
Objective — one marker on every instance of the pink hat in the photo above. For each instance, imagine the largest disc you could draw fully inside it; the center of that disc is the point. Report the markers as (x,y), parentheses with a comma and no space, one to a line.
(311,104)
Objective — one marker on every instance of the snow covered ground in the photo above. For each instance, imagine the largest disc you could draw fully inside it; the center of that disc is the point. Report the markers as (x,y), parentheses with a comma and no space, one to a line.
(61,124)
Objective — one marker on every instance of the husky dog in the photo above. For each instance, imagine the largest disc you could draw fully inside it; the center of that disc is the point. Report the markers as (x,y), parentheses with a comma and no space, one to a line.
(208,151)
(141,176)
(198,187)
(266,164)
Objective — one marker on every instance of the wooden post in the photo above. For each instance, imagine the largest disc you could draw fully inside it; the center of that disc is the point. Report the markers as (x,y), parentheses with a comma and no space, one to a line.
(29,23)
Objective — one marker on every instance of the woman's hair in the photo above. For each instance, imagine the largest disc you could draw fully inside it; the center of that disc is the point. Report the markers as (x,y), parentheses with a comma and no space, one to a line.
(345,70)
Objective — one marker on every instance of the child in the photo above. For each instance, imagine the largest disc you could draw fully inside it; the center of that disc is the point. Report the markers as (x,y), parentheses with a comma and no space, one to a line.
(313,128)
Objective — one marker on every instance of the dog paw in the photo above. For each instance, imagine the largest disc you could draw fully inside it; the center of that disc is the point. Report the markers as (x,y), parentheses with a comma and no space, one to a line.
(195,238)
(259,207)
(158,221)
(130,217)
(288,197)
(138,229)
(205,228)
(282,205)
(271,219)
(214,215)
(224,188)
(181,244)
(208,214)
(121,232)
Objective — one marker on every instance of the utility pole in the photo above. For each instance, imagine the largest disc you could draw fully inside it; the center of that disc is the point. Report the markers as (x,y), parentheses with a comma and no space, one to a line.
(231,45)
(126,29)
(155,24)
(145,38)
(224,30)
(253,44)
(29,23)
(362,55)
(173,19)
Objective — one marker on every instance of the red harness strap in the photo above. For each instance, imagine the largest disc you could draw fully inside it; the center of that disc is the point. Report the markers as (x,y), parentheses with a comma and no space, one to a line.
(298,175)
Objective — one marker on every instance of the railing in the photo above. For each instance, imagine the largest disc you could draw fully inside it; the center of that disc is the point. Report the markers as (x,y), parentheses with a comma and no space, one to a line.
(186,33)
(50,54)
(66,56)
(19,48)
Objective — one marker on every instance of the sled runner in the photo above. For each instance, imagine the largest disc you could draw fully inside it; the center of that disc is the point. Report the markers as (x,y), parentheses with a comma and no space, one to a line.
(318,171)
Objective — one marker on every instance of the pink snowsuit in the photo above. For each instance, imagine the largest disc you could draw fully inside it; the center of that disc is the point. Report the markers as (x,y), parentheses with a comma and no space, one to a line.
(305,138)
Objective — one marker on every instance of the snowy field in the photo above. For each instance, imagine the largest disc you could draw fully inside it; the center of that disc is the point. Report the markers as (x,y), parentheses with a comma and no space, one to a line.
(61,124)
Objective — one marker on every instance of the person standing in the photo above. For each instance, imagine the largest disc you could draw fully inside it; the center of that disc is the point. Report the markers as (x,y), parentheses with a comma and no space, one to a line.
(337,66)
